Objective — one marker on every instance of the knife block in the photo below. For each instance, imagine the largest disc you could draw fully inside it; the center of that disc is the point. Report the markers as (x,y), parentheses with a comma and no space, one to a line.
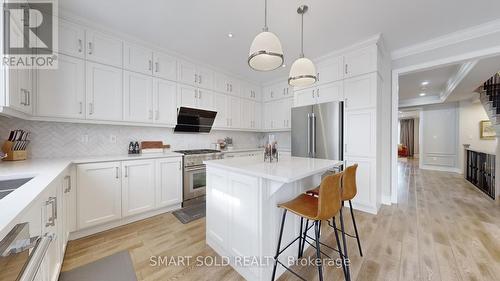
(13,155)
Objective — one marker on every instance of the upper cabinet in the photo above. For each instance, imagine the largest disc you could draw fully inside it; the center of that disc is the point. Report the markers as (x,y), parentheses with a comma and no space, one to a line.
(165,101)
(104,48)
(137,97)
(277,91)
(333,91)
(194,75)
(71,39)
(251,91)
(226,84)
(330,70)
(138,59)
(361,61)
(104,92)
(165,66)
(361,92)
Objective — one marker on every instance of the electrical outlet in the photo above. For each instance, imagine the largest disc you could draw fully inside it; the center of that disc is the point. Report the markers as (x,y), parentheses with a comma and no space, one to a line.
(112,139)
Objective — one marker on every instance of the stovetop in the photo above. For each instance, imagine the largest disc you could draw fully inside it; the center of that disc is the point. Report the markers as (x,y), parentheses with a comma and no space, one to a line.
(197,151)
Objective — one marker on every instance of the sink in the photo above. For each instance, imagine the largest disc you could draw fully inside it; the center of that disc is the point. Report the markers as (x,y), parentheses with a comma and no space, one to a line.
(7,186)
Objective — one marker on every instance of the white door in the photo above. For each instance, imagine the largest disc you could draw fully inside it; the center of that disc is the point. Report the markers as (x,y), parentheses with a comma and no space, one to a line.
(138,186)
(205,78)
(220,105)
(305,97)
(61,91)
(104,48)
(165,101)
(98,193)
(165,66)
(234,110)
(138,97)
(187,73)
(205,99)
(104,92)
(330,70)
(138,58)
(330,92)
(71,39)
(168,182)
(187,96)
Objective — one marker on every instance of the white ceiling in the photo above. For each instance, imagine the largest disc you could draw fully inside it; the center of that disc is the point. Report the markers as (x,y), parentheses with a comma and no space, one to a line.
(199,28)
(410,85)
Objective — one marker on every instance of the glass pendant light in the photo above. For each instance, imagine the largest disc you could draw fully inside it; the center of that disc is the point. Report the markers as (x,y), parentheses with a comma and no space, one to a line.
(303,71)
(266,52)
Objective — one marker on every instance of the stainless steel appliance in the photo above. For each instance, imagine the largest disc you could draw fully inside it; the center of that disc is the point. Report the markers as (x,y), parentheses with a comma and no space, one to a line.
(317,131)
(193,120)
(195,176)
(22,255)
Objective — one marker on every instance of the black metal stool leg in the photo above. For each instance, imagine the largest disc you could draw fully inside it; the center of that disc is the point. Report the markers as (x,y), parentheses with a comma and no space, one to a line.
(318,250)
(346,258)
(304,238)
(301,240)
(355,229)
(339,247)
(279,244)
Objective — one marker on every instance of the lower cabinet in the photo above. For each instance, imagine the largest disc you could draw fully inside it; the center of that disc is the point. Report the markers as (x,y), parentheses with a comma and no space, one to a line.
(99,193)
(168,182)
(138,186)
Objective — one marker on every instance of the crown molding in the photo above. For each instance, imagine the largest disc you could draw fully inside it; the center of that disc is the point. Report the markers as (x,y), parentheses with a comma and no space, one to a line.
(452,84)
(448,39)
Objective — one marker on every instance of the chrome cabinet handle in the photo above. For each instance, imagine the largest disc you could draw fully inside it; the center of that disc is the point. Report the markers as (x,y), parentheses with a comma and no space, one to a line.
(195,78)
(80,45)
(272,94)
(126,171)
(199,94)
(317,92)
(28,97)
(346,68)
(150,65)
(195,93)
(81,108)
(68,184)
(150,114)
(313,93)
(52,219)
(90,48)
(116,172)
(180,165)
(157,66)
(231,87)
(91,108)
(200,79)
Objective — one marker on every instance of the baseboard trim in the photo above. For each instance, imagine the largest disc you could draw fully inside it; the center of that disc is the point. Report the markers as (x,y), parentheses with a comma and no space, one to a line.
(107,226)
(387,200)
(363,207)
(442,169)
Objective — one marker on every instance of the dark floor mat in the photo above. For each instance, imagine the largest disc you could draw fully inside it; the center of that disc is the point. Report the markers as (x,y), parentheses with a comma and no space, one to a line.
(191,213)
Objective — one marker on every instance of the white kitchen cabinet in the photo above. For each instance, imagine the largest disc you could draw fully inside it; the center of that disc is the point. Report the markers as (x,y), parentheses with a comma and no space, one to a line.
(305,97)
(233,112)
(250,91)
(187,96)
(104,48)
(165,101)
(277,91)
(168,182)
(20,87)
(137,97)
(205,78)
(220,105)
(330,70)
(226,84)
(61,91)
(319,94)
(218,231)
(365,181)
(205,99)
(194,75)
(258,116)
(98,193)
(138,186)
(138,58)
(277,114)
(104,92)
(165,66)
(361,92)
(51,223)
(361,61)
(69,202)
(71,39)
(360,133)
(247,114)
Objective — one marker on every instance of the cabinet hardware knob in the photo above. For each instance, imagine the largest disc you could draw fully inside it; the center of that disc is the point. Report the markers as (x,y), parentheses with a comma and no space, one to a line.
(90,48)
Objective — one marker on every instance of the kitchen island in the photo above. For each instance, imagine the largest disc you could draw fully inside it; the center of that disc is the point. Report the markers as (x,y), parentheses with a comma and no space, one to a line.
(242,215)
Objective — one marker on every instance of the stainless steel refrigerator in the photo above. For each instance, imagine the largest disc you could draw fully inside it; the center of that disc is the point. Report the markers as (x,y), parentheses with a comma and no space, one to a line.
(317,131)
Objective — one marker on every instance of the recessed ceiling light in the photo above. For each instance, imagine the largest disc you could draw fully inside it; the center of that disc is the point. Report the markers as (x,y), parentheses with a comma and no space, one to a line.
(425,83)
(422,94)
(230,35)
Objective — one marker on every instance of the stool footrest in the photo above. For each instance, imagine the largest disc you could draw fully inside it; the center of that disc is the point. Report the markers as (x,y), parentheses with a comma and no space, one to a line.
(293,272)
(323,244)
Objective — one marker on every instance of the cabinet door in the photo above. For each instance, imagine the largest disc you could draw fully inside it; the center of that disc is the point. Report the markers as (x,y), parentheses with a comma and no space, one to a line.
(104,48)
(69,190)
(168,182)
(20,85)
(165,101)
(268,115)
(221,83)
(205,99)
(187,73)
(218,206)
(360,62)
(330,92)
(61,91)
(234,111)
(234,86)
(360,133)
(52,226)
(361,92)
(220,105)
(205,78)
(137,58)
(138,186)
(268,93)
(187,96)
(138,97)
(71,39)
(246,114)
(98,193)
(257,124)
(304,97)
(330,70)
(104,92)
(288,103)
(165,66)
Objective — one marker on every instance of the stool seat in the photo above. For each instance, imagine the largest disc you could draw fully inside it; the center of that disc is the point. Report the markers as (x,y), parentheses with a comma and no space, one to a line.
(314,191)
(303,205)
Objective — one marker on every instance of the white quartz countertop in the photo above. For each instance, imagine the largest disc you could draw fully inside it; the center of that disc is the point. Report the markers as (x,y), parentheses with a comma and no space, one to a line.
(44,171)
(287,169)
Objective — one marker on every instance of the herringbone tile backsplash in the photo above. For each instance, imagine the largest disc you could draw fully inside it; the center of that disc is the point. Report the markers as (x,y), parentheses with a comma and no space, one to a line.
(54,140)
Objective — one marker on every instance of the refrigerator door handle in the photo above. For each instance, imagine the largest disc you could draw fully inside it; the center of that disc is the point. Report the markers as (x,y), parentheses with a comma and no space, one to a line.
(309,135)
(313,135)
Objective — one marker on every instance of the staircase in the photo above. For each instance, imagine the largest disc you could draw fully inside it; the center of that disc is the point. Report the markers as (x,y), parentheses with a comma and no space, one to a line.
(490,98)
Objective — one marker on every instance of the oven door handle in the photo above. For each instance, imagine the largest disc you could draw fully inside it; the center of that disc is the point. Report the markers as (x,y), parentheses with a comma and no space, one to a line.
(36,258)
(197,168)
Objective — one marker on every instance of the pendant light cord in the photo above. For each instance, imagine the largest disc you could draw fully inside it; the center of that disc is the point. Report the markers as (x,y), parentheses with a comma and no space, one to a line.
(265,16)
(302,37)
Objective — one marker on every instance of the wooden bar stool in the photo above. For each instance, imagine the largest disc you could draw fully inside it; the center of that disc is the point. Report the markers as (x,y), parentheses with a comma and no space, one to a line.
(323,207)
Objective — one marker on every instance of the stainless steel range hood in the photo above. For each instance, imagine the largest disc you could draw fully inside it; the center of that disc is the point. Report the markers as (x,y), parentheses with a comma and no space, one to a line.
(193,120)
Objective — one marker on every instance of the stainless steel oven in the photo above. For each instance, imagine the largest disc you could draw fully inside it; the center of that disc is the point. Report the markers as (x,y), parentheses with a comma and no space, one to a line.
(195,175)
(22,255)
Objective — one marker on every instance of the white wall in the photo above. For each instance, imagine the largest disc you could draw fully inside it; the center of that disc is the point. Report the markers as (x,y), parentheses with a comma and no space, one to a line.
(54,140)
(439,135)
(416,142)
(471,114)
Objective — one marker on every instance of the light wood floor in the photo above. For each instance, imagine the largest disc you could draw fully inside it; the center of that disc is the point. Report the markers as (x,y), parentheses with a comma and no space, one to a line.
(441,229)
